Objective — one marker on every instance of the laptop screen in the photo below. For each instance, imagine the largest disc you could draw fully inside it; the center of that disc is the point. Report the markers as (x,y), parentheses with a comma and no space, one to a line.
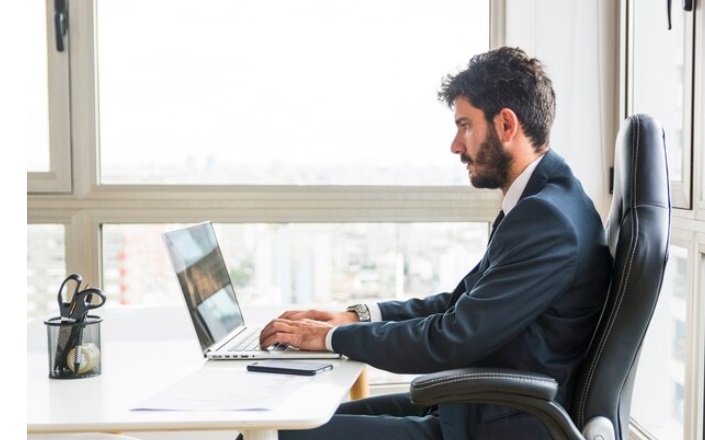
(205,281)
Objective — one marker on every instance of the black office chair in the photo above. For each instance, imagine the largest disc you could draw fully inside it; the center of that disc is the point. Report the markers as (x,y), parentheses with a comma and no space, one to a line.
(638,231)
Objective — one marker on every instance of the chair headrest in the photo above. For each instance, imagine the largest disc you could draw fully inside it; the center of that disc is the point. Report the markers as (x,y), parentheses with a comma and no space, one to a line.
(639,176)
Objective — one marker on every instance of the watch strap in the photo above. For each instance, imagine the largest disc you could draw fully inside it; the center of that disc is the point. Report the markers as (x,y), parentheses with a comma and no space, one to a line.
(362,312)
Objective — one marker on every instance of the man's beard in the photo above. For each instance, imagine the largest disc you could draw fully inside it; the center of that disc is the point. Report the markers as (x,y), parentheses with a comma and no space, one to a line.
(494,161)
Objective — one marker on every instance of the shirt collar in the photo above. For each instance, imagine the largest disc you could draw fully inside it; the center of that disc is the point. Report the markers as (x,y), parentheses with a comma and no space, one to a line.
(517,188)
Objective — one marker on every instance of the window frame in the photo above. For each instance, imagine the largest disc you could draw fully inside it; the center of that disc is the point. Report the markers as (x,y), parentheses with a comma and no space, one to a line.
(694,245)
(699,109)
(89,204)
(58,178)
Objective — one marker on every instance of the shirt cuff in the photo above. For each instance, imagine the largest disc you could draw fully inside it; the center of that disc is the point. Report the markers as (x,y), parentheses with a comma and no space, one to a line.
(329,340)
(375,312)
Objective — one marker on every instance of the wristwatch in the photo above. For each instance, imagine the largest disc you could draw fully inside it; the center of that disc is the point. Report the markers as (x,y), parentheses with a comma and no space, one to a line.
(362,312)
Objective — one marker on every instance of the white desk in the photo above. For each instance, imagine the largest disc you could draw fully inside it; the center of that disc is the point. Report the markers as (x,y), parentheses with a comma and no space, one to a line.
(136,366)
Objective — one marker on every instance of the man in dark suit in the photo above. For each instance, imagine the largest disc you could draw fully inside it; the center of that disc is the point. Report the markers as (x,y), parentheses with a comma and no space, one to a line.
(531,303)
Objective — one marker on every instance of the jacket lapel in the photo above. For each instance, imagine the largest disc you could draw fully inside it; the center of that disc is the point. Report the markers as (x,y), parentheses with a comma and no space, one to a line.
(550,166)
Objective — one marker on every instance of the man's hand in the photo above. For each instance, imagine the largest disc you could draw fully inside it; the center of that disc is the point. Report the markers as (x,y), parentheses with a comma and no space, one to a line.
(305,334)
(333,318)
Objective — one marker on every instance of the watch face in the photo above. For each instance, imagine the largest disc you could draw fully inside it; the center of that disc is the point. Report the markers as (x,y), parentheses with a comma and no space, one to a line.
(363,312)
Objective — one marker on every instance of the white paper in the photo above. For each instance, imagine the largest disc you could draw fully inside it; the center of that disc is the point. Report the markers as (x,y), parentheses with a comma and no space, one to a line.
(224,389)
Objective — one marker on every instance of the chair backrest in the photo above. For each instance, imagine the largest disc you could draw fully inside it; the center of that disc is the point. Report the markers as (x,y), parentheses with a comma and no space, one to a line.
(638,231)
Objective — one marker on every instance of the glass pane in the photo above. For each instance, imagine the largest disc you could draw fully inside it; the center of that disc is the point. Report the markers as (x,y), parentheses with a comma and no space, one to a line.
(309,92)
(28,96)
(326,265)
(660,78)
(272,264)
(46,268)
(658,400)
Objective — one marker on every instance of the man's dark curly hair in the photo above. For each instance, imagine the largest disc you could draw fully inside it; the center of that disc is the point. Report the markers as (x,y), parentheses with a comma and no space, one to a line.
(507,78)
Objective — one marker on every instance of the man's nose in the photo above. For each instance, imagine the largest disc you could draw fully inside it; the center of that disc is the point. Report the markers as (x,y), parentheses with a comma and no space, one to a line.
(457,146)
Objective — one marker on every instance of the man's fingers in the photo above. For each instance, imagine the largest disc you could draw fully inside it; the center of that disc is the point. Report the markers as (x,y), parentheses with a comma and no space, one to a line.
(289,314)
(283,332)
(274,326)
(306,334)
(296,315)
(278,331)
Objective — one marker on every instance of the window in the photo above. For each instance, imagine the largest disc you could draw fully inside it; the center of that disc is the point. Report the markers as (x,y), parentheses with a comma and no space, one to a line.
(281,93)
(664,72)
(46,267)
(272,264)
(301,115)
(658,400)
(661,83)
(33,91)
(323,265)
(43,128)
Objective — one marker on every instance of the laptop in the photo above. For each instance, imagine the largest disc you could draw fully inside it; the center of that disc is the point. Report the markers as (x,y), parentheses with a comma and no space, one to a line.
(211,300)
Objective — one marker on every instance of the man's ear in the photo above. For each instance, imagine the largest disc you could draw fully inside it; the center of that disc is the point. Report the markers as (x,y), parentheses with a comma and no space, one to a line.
(507,124)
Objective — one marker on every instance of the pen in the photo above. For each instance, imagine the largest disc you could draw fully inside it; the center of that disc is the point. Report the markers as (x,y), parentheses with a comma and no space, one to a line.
(80,319)
(77,348)
(77,330)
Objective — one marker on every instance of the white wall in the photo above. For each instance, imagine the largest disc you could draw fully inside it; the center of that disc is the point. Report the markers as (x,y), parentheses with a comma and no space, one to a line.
(578,41)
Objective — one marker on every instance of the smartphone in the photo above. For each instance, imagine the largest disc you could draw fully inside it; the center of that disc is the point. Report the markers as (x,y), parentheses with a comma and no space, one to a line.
(301,368)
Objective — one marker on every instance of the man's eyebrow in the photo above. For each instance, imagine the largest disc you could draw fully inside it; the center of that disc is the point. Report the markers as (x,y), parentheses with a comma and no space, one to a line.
(458,121)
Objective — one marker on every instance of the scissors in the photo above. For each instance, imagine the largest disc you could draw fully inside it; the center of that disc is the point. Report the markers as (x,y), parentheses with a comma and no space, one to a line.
(82,301)
(74,311)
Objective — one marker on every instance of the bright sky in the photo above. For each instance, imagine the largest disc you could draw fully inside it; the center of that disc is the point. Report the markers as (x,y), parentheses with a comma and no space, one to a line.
(298,82)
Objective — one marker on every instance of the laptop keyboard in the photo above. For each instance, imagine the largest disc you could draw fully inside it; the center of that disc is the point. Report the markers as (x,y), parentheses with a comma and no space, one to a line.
(250,342)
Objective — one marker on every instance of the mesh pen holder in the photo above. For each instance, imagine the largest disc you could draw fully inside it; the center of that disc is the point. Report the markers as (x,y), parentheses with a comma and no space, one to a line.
(74,348)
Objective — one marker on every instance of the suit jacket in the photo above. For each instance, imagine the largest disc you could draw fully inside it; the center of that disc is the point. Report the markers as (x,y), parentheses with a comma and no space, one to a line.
(531,303)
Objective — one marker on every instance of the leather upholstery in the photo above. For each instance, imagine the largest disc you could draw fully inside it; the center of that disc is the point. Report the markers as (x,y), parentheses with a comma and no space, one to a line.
(638,232)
